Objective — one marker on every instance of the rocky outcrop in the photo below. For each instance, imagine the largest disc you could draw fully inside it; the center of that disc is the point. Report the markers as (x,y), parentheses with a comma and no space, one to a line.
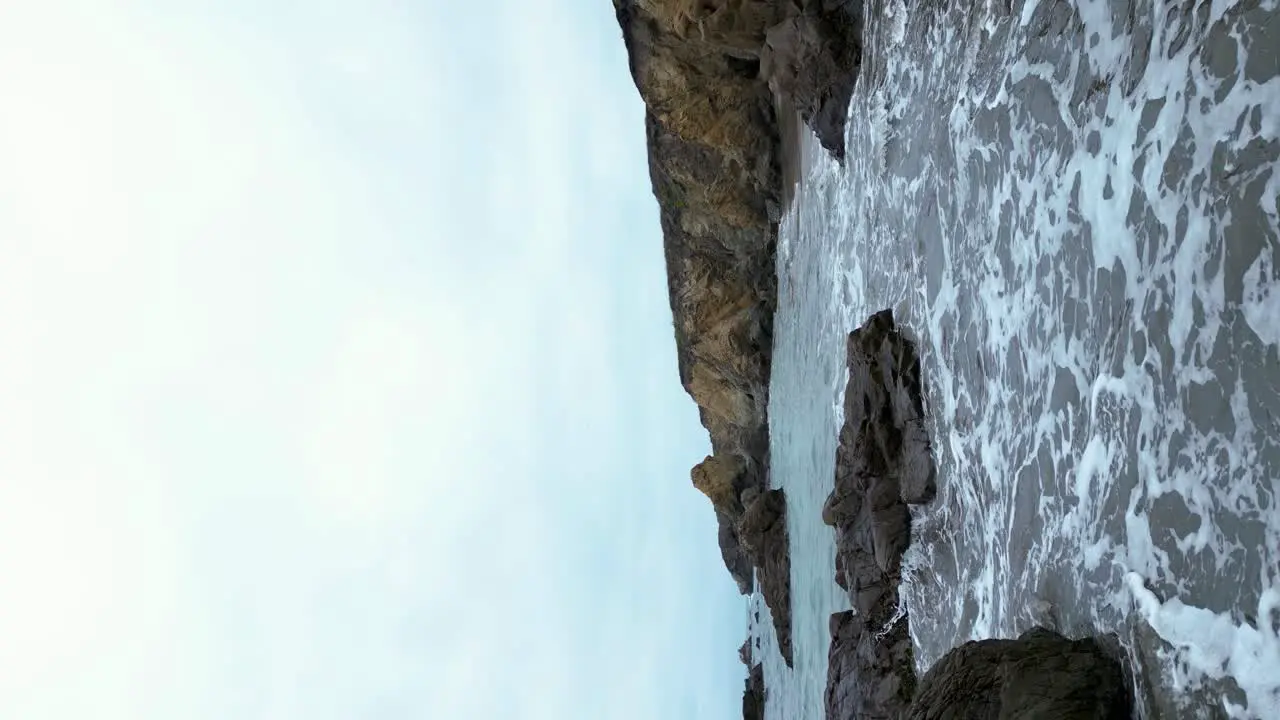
(753,694)
(763,530)
(883,462)
(867,676)
(708,71)
(1039,676)
(809,59)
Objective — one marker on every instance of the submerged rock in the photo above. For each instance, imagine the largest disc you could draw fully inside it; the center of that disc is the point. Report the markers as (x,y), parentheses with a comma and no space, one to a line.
(1039,676)
(715,164)
(763,530)
(883,461)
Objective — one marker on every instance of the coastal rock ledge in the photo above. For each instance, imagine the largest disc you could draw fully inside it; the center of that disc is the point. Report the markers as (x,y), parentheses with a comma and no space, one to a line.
(712,74)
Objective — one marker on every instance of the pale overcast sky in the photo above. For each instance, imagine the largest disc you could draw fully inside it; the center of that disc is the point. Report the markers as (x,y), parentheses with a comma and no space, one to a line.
(336,371)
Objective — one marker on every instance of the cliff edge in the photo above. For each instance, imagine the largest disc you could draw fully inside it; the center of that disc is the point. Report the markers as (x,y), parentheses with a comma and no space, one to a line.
(712,74)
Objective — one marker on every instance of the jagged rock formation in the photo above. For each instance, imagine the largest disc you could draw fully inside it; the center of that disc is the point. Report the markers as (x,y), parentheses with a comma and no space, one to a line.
(753,694)
(763,530)
(883,462)
(707,71)
(809,59)
(1039,676)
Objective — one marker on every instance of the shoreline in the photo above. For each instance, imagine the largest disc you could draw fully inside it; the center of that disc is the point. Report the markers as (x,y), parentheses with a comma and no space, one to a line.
(727,93)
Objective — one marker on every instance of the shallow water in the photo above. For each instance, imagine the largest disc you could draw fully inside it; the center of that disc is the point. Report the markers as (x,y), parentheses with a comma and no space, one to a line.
(1073,206)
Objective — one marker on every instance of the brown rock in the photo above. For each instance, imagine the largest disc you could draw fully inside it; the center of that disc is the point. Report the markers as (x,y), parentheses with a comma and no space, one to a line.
(717,478)
(715,167)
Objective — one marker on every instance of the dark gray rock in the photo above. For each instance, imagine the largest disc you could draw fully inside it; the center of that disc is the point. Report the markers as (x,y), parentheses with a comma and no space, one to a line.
(763,533)
(1039,676)
(868,676)
(754,694)
(812,60)
(735,558)
(883,460)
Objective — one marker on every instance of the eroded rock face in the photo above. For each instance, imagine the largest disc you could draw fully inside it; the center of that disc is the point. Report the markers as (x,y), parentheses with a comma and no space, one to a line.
(720,479)
(883,462)
(763,531)
(715,166)
(1039,676)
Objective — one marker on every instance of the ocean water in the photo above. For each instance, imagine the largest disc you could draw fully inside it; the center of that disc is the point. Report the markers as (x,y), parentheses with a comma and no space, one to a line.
(1073,208)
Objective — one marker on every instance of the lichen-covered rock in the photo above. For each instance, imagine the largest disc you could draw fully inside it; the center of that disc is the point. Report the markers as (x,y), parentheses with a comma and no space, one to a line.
(1039,676)
(883,461)
(763,532)
(715,164)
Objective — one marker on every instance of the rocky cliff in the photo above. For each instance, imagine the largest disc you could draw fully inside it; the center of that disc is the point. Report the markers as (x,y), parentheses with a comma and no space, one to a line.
(712,74)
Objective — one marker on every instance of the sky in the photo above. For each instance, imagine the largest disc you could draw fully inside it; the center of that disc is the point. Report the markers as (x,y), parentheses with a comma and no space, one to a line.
(337,376)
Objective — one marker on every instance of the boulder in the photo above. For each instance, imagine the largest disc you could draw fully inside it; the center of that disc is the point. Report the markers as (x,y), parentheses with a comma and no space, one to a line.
(813,59)
(1041,675)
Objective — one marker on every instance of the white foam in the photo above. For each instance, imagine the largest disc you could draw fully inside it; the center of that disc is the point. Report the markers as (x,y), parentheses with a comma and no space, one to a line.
(1129,442)
(1216,646)
(1262,300)
(896,11)
(1131,418)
